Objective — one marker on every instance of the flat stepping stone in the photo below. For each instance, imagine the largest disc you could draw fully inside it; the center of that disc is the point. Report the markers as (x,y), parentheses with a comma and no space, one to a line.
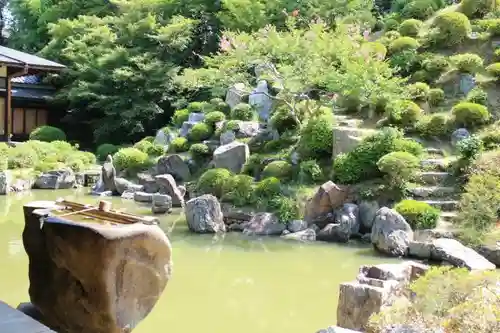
(437,164)
(433,177)
(435,151)
(433,191)
(458,255)
(444,205)
(448,216)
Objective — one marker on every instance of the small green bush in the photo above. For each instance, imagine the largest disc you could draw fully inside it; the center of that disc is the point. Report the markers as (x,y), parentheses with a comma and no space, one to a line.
(310,172)
(399,167)
(232,125)
(198,107)
(47,134)
(420,215)
(220,105)
(403,44)
(279,169)
(22,156)
(239,190)
(76,165)
(199,152)
(478,8)
(129,158)
(268,188)
(470,115)
(478,96)
(410,27)
(419,91)
(283,121)
(180,116)
(156,150)
(497,54)
(436,96)
(253,167)
(419,9)
(450,28)
(213,181)
(178,145)
(104,150)
(214,117)
(285,208)
(199,132)
(391,25)
(467,62)
(469,148)
(434,126)
(404,113)
(494,70)
(491,138)
(143,146)
(316,138)
(243,111)
(435,64)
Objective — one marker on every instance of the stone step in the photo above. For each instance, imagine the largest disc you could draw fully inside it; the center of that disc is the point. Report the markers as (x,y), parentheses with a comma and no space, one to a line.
(433,177)
(436,164)
(434,191)
(444,205)
(435,151)
(448,216)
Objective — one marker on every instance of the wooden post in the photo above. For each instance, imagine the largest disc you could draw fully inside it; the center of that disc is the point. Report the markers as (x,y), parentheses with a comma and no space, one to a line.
(8,109)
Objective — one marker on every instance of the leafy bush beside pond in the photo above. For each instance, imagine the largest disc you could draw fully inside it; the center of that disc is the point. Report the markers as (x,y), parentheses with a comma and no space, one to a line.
(47,134)
(420,215)
(130,158)
(213,181)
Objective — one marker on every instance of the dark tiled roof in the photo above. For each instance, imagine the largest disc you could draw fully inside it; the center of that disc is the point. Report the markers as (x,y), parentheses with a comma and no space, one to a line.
(27,79)
(29,93)
(17,58)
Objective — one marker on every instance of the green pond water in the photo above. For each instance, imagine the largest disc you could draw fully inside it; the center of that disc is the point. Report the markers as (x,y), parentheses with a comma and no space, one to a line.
(220,284)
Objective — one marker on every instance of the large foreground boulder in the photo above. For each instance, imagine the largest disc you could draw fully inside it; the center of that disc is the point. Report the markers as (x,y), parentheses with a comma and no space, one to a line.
(204,215)
(391,234)
(231,156)
(93,277)
(264,224)
(56,179)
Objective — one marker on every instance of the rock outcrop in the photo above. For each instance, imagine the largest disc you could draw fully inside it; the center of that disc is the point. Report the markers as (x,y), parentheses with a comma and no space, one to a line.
(231,156)
(167,185)
(307,235)
(162,203)
(175,166)
(328,198)
(5,182)
(264,224)
(204,215)
(391,234)
(93,277)
(56,179)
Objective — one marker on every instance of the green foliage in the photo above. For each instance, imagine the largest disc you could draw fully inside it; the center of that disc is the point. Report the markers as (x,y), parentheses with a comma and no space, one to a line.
(494,70)
(199,132)
(436,97)
(268,188)
(361,163)
(104,150)
(467,62)
(435,64)
(199,151)
(316,140)
(410,27)
(470,147)
(309,172)
(278,169)
(213,181)
(253,167)
(180,116)
(404,113)
(399,167)
(239,190)
(403,44)
(285,208)
(419,91)
(22,156)
(491,137)
(130,158)
(419,9)
(214,117)
(497,54)
(434,126)
(178,145)
(4,156)
(282,120)
(478,96)
(219,105)
(391,25)
(420,215)
(470,115)
(47,134)
(449,29)
(243,111)
(197,107)
(478,8)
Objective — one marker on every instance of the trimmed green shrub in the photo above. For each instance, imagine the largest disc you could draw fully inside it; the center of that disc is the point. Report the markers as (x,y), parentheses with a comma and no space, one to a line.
(232,125)
(178,145)
(143,146)
(399,167)
(494,70)
(283,121)
(391,25)
(214,117)
(76,165)
(150,139)
(268,188)
(279,169)
(239,190)
(404,113)
(491,138)
(420,215)
(478,96)
(243,111)
(316,138)
(310,172)
(403,44)
(478,8)
(199,151)
(180,116)
(156,150)
(285,208)
(213,181)
(47,134)
(497,54)
(22,156)
(470,115)
(435,64)
(419,9)
(469,148)
(419,91)
(434,126)
(361,163)
(220,105)
(450,28)
(467,62)
(436,96)
(129,158)
(199,132)
(253,167)
(104,150)
(198,107)
(410,27)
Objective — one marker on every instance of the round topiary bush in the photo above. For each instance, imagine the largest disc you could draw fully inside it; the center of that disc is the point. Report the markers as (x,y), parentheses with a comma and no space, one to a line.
(404,113)
(434,126)
(156,150)
(419,9)
(143,146)
(180,116)
(232,125)
(104,150)
(213,181)
(403,44)
(199,151)
(478,8)
(419,91)
(239,190)
(478,96)
(420,215)
(282,120)
(450,28)
(243,111)
(47,134)
(467,62)
(310,172)
(197,107)
(279,169)
(435,64)
(199,132)
(219,104)
(178,145)
(316,138)
(470,115)
(214,117)
(399,166)
(410,28)
(494,70)
(436,96)
(497,54)
(268,188)
(129,158)
(391,25)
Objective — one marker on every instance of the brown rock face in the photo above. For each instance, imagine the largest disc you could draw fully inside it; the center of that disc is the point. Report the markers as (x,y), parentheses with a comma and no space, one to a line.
(92,277)
(329,197)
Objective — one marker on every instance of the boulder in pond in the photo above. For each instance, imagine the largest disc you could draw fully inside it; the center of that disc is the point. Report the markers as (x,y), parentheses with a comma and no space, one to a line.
(148,183)
(56,179)
(391,234)
(231,156)
(328,198)
(453,252)
(307,235)
(347,219)
(367,212)
(5,182)
(296,225)
(204,215)
(168,186)
(143,197)
(112,275)
(264,224)
(174,165)
(162,203)
(122,185)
